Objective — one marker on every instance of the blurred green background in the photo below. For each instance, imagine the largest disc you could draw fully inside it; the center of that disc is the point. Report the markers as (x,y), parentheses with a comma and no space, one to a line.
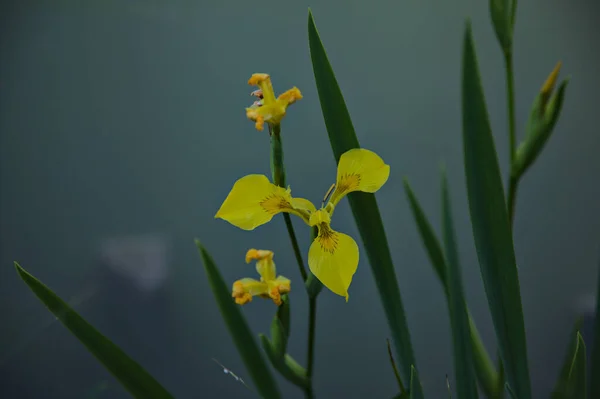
(122,129)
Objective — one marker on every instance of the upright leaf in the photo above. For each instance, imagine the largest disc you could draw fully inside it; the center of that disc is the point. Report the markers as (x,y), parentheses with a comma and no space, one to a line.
(432,245)
(416,390)
(595,361)
(491,228)
(466,386)
(364,206)
(129,373)
(484,368)
(239,330)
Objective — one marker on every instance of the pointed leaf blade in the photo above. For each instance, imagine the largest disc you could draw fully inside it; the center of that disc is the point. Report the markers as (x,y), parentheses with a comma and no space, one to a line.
(466,386)
(484,368)
(364,206)
(127,371)
(239,330)
(491,229)
(416,390)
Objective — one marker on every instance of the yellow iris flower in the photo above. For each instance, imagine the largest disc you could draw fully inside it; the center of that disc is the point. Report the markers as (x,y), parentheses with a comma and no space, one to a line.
(269,286)
(333,256)
(269,109)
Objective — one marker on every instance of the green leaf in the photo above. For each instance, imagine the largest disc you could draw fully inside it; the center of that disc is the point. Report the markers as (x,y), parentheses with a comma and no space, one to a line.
(484,368)
(466,386)
(577,382)
(491,228)
(364,206)
(129,373)
(432,245)
(416,390)
(560,387)
(286,365)
(239,330)
(595,361)
(501,13)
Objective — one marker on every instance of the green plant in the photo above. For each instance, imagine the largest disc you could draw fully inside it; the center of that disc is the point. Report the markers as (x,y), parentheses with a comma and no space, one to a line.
(333,256)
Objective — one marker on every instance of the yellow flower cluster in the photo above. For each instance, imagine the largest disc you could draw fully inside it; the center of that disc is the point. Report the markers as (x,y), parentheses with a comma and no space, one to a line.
(254,200)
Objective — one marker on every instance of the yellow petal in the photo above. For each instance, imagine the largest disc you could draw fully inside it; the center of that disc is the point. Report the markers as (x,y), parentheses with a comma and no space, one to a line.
(359,170)
(333,259)
(244,289)
(263,81)
(254,200)
(278,287)
(302,204)
(272,113)
(290,96)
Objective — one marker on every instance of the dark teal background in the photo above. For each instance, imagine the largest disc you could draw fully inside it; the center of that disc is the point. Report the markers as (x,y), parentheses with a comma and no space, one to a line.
(127,118)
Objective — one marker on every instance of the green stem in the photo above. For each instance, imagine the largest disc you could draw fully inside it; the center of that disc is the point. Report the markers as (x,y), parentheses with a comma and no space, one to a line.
(513,185)
(310,356)
(510,99)
(278,171)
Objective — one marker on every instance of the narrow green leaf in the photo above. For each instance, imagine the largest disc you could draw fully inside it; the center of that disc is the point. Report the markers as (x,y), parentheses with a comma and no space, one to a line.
(129,373)
(432,245)
(416,390)
(364,206)
(491,228)
(466,386)
(595,361)
(560,387)
(286,365)
(239,330)
(484,368)
(577,381)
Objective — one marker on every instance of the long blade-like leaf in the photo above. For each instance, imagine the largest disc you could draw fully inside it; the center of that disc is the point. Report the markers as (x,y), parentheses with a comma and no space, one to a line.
(466,386)
(595,366)
(416,390)
(364,206)
(239,330)
(432,245)
(491,229)
(129,373)
(484,368)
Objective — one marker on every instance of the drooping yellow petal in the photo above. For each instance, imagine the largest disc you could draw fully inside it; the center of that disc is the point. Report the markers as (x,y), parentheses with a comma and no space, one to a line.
(244,289)
(263,81)
(333,259)
(359,170)
(254,200)
(264,263)
(290,96)
(258,254)
(278,287)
